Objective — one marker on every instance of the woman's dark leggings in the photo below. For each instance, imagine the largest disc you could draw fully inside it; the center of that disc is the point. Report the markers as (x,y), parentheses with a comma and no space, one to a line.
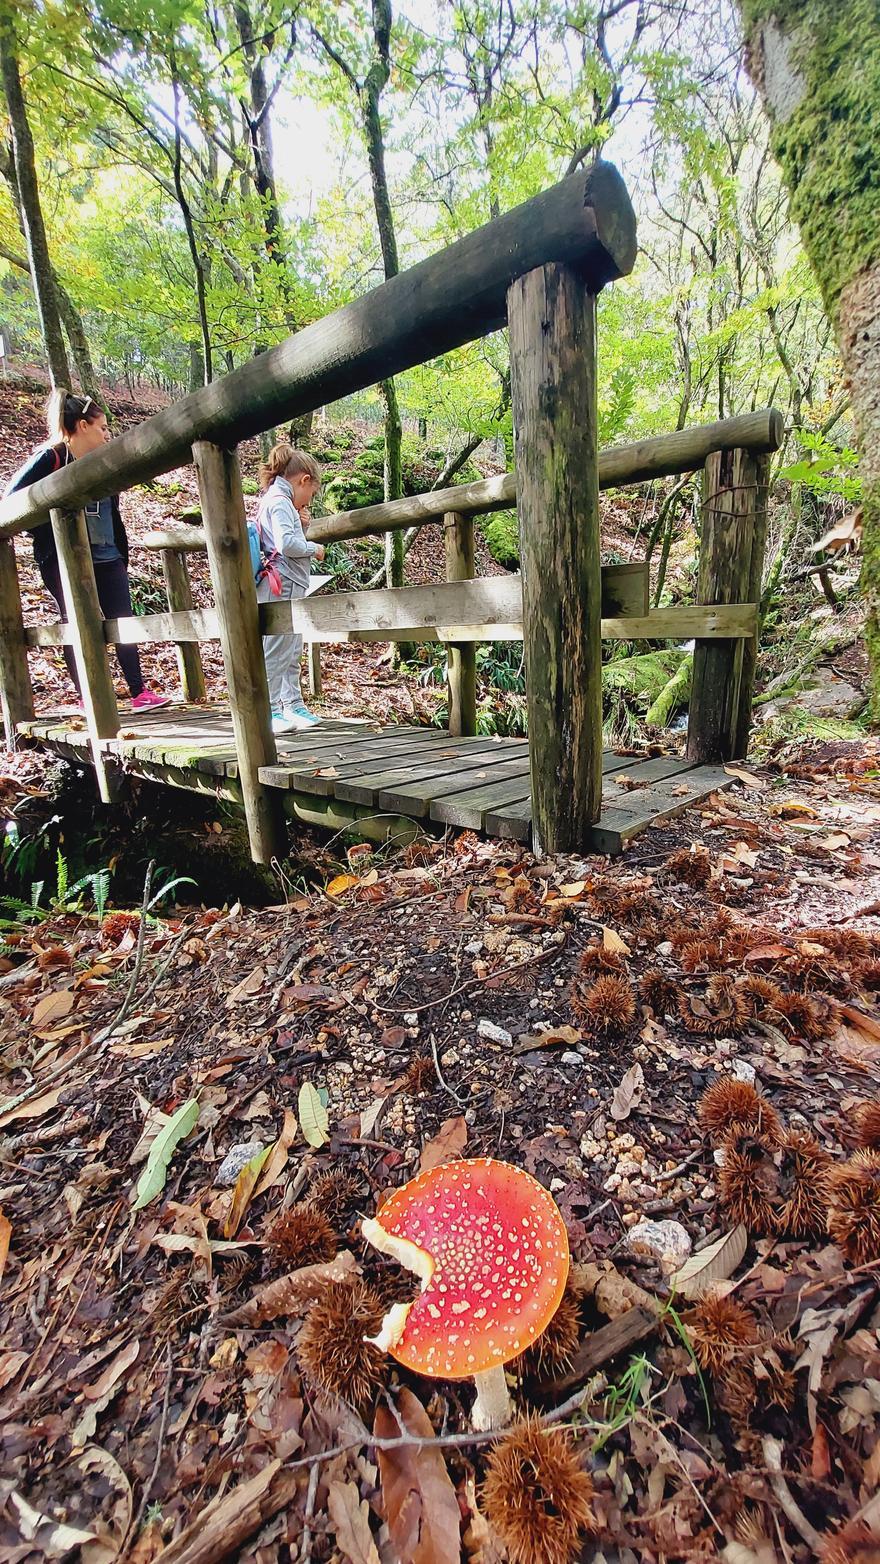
(114,596)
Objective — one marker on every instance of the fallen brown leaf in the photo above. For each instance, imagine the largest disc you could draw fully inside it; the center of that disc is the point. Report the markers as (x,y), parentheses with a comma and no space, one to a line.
(448,1143)
(420,1504)
(350,1515)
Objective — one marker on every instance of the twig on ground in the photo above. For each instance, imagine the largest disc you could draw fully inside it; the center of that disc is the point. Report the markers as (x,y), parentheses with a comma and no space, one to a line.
(139,951)
(665,1178)
(439,1073)
(134,1528)
(772,1451)
(172,952)
(306,1549)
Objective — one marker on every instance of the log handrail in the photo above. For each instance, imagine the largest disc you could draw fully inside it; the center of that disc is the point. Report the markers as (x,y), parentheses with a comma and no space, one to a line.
(451,611)
(664,456)
(455,296)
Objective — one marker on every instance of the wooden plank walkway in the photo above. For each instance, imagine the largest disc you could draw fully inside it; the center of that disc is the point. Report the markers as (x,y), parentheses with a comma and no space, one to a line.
(478,783)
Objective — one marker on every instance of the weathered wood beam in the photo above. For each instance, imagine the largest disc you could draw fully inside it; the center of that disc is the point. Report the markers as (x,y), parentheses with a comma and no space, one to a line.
(455,296)
(233,580)
(16,695)
(180,600)
(186,539)
(727,540)
(458,536)
(667,454)
(473,613)
(553,379)
(86,628)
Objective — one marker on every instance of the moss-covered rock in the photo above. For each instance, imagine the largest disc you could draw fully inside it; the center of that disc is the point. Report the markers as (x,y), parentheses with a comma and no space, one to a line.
(361,481)
(631,685)
(501,532)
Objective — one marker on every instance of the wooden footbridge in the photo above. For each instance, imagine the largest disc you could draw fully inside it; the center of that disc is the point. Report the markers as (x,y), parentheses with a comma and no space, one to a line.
(538,269)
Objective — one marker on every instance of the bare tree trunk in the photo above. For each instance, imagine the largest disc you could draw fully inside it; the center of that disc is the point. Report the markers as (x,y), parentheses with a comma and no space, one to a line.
(70,315)
(25,169)
(198,263)
(76,336)
(259,129)
(824,108)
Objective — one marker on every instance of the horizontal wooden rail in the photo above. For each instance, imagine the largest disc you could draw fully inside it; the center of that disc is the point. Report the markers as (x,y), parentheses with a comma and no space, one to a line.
(453,297)
(486,609)
(662,457)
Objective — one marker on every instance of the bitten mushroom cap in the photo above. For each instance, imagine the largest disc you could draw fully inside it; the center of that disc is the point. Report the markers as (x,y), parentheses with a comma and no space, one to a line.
(499,1264)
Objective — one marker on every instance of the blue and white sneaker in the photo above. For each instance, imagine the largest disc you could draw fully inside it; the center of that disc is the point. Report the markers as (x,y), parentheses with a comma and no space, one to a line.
(299,718)
(281,723)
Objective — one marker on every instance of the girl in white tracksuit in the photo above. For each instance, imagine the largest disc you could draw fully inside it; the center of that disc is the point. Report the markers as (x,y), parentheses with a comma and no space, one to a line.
(290,479)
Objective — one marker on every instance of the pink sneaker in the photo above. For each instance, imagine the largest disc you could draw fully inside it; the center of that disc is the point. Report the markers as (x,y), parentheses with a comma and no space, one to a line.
(148,700)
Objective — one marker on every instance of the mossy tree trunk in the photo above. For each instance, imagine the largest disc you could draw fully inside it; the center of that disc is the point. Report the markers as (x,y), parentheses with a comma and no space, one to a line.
(30,210)
(817,67)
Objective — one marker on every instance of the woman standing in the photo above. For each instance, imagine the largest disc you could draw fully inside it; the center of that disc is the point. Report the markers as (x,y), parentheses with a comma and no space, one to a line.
(78,425)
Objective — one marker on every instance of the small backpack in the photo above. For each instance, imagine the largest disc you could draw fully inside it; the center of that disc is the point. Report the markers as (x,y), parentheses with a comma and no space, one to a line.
(262,564)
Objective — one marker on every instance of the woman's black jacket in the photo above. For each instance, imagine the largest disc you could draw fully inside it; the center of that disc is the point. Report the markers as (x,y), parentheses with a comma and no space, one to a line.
(45,460)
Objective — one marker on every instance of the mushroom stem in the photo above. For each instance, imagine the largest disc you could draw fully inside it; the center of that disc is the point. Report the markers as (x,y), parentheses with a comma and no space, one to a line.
(493,1407)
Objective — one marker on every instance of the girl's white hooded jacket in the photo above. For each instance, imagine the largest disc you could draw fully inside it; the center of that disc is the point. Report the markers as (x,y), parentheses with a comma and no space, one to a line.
(281,529)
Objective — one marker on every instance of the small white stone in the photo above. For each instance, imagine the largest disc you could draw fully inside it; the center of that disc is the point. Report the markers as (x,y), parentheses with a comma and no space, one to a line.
(707,1192)
(497,1034)
(557,1184)
(411,1018)
(741,1070)
(474,947)
(718,1157)
(667,1242)
(570,1058)
(236,1158)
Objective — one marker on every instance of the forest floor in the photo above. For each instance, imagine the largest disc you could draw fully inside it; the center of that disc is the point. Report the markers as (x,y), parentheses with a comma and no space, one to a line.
(183,1374)
(167,1374)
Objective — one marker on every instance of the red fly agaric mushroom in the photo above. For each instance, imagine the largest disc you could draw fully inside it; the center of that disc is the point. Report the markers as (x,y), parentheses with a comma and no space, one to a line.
(491,1251)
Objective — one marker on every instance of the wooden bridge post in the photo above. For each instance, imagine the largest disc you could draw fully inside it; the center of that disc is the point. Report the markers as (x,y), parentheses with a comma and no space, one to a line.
(753,595)
(313,664)
(16,695)
(732,534)
(180,598)
(236,599)
(552,321)
(86,626)
(458,533)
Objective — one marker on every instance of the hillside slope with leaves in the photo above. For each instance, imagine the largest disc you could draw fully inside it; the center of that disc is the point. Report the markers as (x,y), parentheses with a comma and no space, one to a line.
(199,1110)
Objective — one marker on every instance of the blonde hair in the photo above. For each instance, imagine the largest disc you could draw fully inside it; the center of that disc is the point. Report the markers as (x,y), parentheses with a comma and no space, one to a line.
(65,409)
(286,461)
